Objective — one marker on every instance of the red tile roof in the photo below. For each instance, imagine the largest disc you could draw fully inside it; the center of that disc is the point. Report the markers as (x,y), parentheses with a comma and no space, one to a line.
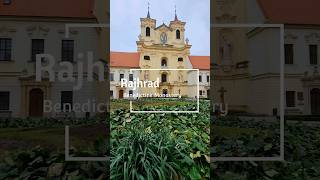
(291,11)
(200,62)
(131,60)
(49,8)
(124,59)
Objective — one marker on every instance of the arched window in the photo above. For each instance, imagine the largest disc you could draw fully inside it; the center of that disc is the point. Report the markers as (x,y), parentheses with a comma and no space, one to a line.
(164,77)
(148,32)
(164,63)
(178,34)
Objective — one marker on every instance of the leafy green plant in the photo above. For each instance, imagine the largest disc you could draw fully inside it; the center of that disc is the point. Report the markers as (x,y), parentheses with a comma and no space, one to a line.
(302,155)
(146,155)
(40,163)
(182,140)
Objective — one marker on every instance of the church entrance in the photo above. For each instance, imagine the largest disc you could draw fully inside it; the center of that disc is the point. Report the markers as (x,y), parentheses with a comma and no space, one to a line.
(36,103)
(315,101)
(121,94)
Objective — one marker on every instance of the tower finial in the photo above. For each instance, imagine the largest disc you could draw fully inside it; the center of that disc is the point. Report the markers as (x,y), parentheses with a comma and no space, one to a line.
(148,15)
(175,13)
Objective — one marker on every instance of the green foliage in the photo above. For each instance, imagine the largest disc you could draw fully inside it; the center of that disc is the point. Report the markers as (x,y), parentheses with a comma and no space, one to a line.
(49,122)
(146,155)
(302,155)
(160,146)
(40,163)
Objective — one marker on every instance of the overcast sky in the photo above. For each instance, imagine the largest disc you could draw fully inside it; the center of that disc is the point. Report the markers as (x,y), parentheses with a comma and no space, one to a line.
(125,21)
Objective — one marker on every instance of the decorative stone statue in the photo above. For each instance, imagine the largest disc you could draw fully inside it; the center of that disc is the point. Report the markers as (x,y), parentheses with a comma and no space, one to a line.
(225,51)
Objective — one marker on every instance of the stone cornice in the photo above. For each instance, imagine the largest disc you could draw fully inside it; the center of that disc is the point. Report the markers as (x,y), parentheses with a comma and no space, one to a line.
(161,47)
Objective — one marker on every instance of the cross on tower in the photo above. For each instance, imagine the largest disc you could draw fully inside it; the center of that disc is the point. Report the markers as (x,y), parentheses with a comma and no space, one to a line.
(175,13)
(222,91)
(148,16)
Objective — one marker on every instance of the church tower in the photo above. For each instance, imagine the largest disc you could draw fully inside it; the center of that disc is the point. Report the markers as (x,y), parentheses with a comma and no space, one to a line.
(178,28)
(164,47)
(147,27)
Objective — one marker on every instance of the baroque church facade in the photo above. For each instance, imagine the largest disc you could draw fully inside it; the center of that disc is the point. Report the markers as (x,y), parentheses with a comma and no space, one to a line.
(246,61)
(163,53)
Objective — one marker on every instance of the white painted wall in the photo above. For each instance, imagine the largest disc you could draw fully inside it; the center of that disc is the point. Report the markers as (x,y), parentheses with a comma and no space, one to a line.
(85,39)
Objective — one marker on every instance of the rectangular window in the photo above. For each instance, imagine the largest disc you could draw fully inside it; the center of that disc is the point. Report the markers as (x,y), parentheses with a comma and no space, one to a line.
(111,77)
(121,77)
(200,78)
(200,92)
(290,98)
(208,78)
(111,94)
(66,101)
(130,92)
(67,50)
(4,101)
(146,57)
(130,77)
(288,53)
(37,47)
(313,53)
(5,49)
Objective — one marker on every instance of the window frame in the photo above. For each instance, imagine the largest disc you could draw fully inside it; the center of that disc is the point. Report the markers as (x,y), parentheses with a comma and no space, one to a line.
(289,53)
(164,76)
(313,55)
(148,32)
(130,93)
(121,76)
(178,34)
(67,54)
(5,49)
(147,58)
(200,93)
(35,51)
(5,104)
(66,100)
(130,77)
(290,103)
(164,64)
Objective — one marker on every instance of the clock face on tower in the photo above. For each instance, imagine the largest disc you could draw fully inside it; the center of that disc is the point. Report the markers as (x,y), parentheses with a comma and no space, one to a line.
(163,38)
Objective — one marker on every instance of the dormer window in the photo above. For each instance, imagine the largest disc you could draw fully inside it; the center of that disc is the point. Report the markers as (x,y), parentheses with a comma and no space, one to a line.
(7,2)
(148,32)
(178,34)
